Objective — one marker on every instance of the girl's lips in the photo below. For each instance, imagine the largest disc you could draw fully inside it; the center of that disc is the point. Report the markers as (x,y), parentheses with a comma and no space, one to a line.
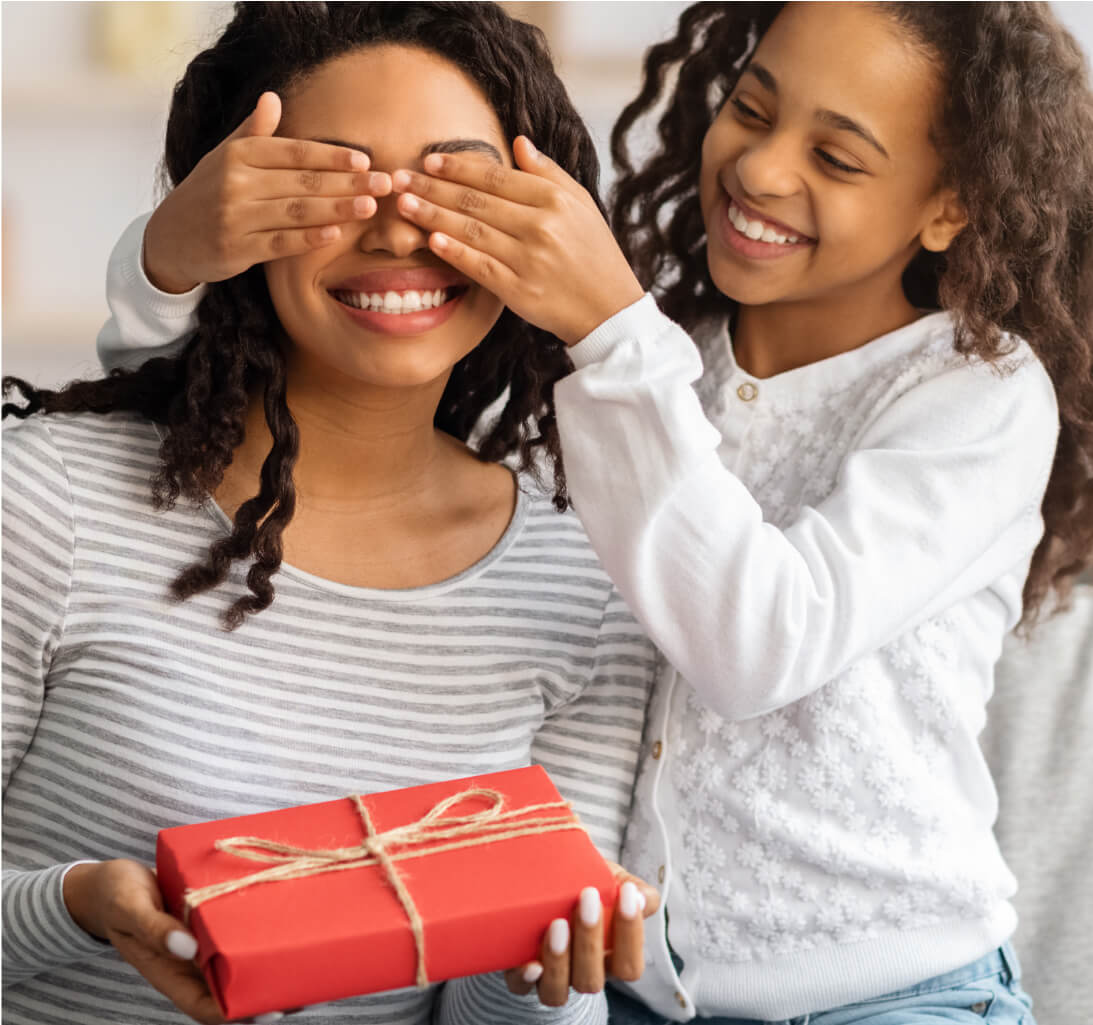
(754,215)
(402,324)
(754,249)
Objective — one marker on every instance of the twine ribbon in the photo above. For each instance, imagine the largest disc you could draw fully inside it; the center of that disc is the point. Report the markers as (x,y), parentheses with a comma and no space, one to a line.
(438,829)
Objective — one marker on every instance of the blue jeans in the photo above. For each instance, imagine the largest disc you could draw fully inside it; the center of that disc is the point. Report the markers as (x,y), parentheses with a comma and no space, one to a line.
(985,992)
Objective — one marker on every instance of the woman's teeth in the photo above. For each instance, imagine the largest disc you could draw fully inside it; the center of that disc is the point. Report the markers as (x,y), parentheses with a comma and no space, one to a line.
(757,230)
(395,302)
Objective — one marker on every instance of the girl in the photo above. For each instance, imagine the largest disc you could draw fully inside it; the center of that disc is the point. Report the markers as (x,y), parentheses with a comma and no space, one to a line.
(831,534)
(433,618)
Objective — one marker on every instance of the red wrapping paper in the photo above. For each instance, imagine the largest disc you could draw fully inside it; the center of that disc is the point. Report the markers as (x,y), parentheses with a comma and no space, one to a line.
(279,945)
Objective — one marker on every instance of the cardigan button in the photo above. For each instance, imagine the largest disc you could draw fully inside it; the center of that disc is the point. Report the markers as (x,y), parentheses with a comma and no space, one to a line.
(661,873)
(658,749)
(747,391)
(681,1000)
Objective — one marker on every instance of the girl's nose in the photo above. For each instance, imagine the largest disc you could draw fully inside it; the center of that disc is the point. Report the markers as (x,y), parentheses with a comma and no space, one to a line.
(387,231)
(769,167)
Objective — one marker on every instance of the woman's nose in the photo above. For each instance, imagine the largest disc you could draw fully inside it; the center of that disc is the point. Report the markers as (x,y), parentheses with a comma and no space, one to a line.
(387,231)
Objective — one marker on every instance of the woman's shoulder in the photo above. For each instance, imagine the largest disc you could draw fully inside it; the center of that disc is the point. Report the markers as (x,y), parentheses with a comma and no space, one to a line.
(95,450)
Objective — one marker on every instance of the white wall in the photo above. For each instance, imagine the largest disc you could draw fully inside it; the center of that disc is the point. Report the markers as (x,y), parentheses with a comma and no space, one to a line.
(85,94)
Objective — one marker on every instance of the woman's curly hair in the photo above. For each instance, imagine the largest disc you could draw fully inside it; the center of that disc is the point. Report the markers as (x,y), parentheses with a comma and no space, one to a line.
(200,399)
(1015,133)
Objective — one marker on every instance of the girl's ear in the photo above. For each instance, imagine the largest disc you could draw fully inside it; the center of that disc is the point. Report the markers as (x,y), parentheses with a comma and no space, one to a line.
(948,221)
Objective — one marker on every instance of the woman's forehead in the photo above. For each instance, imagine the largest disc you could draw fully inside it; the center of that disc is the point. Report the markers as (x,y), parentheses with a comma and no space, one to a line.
(391,99)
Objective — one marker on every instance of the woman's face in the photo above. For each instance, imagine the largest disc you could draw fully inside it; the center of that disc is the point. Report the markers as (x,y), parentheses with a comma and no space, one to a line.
(377,307)
(819,179)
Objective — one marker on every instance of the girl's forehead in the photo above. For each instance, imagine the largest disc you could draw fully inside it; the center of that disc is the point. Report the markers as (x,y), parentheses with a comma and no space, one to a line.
(851,59)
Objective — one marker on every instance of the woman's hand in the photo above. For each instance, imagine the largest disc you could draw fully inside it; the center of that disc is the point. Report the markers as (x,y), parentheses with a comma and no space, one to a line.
(256,197)
(119,901)
(574,955)
(531,235)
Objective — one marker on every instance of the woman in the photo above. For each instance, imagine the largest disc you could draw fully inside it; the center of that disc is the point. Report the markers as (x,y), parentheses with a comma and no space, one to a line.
(433,617)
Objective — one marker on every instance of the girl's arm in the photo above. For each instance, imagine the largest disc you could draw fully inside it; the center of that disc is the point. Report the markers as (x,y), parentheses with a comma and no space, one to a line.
(144,321)
(255,197)
(39,933)
(590,747)
(939,500)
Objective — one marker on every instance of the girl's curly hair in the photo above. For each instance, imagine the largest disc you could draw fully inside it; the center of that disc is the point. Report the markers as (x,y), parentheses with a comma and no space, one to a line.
(200,398)
(1015,132)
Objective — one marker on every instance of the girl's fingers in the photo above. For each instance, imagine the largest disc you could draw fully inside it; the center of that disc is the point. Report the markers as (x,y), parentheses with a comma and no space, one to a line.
(308,183)
(278,152)
(539,165)
(476,175)
(484,221)
(586,966)
(263,246)
(178,980)
(554,957)
(480,267)
(263,120)
(627,957)
(302,212)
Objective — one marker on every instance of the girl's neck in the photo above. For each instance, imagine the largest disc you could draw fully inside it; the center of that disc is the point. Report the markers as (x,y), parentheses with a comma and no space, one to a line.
(774,338)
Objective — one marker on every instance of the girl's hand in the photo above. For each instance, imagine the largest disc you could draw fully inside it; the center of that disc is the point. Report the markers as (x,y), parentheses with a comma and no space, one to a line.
(119,901)
(531,236)
(256,198)
(574,955)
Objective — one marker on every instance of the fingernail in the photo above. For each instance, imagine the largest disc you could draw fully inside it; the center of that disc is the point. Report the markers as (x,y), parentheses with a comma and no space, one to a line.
(401,179)
(558,936)
(363,205)
(410,203)
(182,944)
(533,972)
(589,906)
(440,240)
(629,900)
(329,233)
(358,161)
(263,1019)
(531,146)
(433,163)
(641,900)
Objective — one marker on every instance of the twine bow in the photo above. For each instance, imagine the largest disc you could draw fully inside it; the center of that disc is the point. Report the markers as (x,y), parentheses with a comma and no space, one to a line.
(439,830)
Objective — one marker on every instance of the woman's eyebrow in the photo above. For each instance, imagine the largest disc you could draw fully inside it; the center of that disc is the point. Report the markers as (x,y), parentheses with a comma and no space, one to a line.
(445,146)
(840,122)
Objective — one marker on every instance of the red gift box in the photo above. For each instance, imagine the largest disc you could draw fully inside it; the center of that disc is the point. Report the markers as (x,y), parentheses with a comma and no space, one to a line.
(485,874)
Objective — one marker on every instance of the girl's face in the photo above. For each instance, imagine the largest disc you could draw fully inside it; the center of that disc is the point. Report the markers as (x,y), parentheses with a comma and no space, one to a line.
(819,180)
(377,307)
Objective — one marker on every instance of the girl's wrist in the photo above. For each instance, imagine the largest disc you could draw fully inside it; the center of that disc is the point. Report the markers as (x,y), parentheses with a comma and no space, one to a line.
(78,889)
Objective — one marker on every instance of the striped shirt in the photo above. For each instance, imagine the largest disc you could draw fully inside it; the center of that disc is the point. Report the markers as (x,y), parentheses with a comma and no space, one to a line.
(126,712)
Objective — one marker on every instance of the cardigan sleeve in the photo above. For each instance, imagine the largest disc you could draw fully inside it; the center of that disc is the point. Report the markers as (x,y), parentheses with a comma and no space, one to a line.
(39,933)
(144,322)
(940,499)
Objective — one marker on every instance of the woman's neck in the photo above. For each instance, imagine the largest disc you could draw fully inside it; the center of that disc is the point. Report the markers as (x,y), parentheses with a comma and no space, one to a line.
(777,337)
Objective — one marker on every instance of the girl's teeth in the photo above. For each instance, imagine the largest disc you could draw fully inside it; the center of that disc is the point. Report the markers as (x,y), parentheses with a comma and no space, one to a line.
(410,301)
(757,230)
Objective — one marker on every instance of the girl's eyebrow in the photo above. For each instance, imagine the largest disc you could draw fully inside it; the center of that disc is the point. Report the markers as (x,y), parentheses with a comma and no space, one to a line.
(840,122)
(444,146)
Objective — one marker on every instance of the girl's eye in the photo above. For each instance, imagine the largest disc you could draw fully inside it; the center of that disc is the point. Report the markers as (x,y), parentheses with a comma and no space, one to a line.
(828,158)
(745,110)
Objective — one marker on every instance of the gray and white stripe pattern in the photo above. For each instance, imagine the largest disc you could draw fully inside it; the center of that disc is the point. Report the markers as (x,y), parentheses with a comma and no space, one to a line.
(126,712)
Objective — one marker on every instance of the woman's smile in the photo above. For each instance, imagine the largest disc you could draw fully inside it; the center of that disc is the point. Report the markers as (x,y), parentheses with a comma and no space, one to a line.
(401,301)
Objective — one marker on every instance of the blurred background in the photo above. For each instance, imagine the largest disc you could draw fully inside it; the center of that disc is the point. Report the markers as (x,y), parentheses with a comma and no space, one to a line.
(85,94)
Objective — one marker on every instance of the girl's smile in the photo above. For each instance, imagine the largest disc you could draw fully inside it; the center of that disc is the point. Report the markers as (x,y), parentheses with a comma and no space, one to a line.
(755,236)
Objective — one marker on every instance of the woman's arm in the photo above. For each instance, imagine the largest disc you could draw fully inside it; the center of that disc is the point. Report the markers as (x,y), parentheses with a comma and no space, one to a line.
(940,499)
(39,933)
(590,747)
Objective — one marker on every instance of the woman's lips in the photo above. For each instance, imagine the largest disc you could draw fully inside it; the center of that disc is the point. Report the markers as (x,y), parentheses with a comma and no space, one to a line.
(398,323)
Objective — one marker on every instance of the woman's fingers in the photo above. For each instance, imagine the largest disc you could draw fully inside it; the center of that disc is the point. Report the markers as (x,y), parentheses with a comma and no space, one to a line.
(554,957)
(627,957)
(522,980)
(178,980)
(586,963)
